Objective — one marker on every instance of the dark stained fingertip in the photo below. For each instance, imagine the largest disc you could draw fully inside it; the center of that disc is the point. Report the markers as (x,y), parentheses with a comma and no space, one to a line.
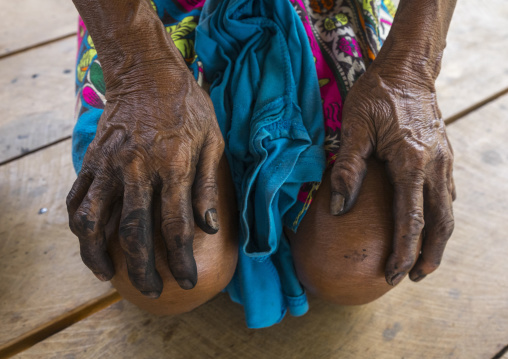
(185,283)
(337,203)
(152,294)
(396,279)
(103,277)
(419,278)
(212,219)
(417,275)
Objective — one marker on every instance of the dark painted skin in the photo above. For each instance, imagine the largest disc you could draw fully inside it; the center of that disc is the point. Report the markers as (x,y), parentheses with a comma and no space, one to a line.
(159,136)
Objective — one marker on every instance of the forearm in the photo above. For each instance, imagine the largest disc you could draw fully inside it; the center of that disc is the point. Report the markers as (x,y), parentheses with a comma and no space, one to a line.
(129,38)
(418,36)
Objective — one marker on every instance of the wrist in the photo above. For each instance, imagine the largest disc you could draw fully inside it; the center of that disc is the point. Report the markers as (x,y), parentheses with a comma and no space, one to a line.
(131,42)
(416,65)
(418,37)
(141,54)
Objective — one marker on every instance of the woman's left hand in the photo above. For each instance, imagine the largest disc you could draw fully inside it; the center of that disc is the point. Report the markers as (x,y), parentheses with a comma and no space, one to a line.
(392,112)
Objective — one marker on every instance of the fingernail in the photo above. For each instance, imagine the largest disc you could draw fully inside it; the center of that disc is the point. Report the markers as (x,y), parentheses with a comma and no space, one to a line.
(336,203)
(151,294)
(185,284)
(211,218)
(396,279)
(419,278)
(101,277)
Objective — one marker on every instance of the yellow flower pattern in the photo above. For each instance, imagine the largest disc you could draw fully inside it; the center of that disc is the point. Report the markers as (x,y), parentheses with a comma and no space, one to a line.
(178,33)
(85,62)
(342,18)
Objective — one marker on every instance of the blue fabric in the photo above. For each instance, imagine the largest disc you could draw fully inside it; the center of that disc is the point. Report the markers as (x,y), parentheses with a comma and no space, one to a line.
(265,93)
(83,134)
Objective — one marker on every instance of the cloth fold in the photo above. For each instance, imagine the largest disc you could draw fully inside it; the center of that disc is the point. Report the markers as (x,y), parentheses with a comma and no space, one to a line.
(266,97)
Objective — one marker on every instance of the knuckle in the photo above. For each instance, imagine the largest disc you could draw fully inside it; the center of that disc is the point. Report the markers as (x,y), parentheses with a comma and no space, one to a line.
(180,176)
(346,171)
(416,221)
(411,156)
(407,170)
(449,155)
(219,143)
(444,158)
(417,161)
(178,231)
(176,225)
(445,228)
(84,225)
(207,187)
(135,225)
(132,231)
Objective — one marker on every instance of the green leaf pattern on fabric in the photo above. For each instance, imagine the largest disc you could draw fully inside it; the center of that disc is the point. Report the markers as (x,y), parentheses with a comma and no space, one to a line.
(97,78)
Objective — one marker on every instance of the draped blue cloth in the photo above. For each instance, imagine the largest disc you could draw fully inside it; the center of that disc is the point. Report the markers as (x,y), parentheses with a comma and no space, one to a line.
(265,92)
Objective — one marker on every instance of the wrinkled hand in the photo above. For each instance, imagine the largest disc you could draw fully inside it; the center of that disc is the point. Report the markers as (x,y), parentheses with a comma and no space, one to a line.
(393,113)
(157,137)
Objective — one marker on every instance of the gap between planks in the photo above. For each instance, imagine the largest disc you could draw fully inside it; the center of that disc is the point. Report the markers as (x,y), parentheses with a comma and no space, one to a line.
(35,46)
(15,158)
(501,353)
(475,107)
(58,324)
(65,320)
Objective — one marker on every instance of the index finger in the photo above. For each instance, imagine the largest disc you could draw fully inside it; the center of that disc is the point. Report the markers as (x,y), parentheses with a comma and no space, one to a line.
(77,193)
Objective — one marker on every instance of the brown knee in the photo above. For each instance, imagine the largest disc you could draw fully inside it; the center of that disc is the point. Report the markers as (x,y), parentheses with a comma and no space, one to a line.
(215,255)
(342,259)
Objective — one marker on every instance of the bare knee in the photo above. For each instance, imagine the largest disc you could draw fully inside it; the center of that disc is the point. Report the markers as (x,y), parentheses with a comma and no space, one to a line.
(215,255)
(342,259)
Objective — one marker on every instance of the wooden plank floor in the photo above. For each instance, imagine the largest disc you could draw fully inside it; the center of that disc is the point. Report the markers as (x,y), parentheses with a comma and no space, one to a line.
(36,97)
(31,22)
(460,312)
(41,274)
(474,63)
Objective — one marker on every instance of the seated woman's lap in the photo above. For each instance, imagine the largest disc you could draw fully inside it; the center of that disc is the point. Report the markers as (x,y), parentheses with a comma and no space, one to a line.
(339,259)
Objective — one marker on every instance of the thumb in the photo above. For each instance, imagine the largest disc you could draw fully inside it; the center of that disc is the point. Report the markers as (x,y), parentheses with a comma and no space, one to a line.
(350,167)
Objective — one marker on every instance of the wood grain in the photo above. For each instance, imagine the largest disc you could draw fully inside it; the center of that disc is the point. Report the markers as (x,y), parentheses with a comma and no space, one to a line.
(36,97)
(474,63)
(59,323)
(30,22)
(41,273)
(457,312)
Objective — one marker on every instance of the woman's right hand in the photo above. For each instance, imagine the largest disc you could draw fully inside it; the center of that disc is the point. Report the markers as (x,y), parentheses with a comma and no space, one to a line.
(158,136)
